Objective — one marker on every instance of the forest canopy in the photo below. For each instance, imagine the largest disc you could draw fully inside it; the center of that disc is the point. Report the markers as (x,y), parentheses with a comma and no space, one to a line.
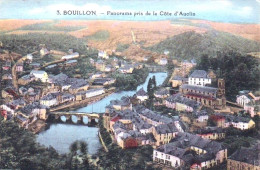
(241,72)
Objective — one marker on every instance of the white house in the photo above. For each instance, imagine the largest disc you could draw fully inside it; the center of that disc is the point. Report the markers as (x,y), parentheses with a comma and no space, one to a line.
(7,108)
(67,97)
(161,157)
(163,61)
(145,59)
(49,99)
(141,95)
(103,54)
(29,57)
(108,68)
(94,92)
(242,123)
(166,52)
(175,154)
(201,116)
(199,77)
(44,52)
(243,99)
(40,74)
(70,56)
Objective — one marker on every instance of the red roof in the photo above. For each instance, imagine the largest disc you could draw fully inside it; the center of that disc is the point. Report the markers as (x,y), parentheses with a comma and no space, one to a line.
(217,117)
(3,112)
(116,119)
(195,166)
(12,92)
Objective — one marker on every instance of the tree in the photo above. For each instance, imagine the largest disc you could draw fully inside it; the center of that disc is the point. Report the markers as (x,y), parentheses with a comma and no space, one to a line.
(19,150)
(150,88)
(78,158)
(154,82)
(74,147)
(239,71)
(204,63)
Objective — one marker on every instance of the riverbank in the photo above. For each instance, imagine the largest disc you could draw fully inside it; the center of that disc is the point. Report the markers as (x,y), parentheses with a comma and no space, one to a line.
(102,142)
(37,126)
(82,103)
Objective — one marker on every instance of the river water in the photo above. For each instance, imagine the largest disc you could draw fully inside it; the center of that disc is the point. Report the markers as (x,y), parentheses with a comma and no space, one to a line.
(61,136)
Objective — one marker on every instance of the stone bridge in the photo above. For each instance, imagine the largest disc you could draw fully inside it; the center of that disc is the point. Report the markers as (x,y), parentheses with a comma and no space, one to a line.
(92,117)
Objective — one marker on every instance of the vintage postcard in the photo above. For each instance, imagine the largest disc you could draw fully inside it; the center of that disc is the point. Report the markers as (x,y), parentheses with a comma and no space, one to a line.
(130,85)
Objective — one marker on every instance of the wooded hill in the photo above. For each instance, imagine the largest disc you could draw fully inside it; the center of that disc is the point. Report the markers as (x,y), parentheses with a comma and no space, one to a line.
(193,45)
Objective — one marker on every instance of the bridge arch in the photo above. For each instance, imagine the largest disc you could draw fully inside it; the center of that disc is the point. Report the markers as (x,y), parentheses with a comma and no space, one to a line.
(76,117)
(63,118)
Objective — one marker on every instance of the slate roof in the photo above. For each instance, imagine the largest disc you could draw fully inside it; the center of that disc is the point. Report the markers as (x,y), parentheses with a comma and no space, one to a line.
(242,92)
(199,74)
(30,107)
(162,91)
(124,101)
(37,72)
(59,77)
(180,78)
(28,77)
(67,95)
(51,66)
(101,81)
(76,83)
(63,80)
(236,119)
(153,116)
(166,128)
(248,155)
(50,96)
(200,113)
(183,100)
(35,64)
(118,125)
(21,118)
(178,147)
(141,92)
(232,118)
(71,61)
(200,88)
(19,101)
(247,95)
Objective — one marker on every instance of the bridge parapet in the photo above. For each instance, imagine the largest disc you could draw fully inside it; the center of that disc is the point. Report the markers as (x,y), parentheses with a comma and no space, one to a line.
(80,115)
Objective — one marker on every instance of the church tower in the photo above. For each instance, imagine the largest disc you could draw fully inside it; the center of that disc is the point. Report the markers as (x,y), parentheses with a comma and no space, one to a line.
(221,92)
(221,88)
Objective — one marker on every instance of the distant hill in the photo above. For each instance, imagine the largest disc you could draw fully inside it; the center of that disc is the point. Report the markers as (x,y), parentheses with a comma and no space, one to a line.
(183,38)
(192,45)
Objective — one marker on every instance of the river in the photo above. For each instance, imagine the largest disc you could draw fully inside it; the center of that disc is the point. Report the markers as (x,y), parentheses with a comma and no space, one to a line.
(61,136)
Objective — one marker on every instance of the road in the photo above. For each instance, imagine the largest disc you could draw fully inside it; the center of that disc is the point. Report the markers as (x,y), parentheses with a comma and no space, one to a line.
(14,73)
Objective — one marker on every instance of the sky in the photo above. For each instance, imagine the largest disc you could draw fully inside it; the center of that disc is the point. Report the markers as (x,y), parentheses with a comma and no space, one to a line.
(235,11)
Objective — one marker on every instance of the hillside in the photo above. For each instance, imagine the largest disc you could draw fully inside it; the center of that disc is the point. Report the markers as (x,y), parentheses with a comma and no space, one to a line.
(249,31)
(192,45)
(183,38)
